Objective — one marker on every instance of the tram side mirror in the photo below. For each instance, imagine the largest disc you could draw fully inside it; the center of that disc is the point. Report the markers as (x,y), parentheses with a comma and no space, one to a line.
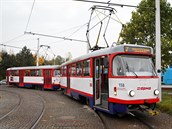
(159,70)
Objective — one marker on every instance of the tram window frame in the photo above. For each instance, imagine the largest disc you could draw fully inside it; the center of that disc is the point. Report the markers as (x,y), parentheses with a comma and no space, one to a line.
(73,70)
(132,68)
(39,72)
(63,71)
(32,72)
(57,72)
(27,72)
(36,72)
(79,69)
(14,73)
(119,70)
(86,68)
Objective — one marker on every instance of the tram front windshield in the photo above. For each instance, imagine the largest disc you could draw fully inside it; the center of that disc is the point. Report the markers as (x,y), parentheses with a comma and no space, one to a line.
(133,65)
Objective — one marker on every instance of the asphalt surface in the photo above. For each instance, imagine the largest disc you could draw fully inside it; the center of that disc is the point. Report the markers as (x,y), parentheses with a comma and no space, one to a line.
(27,108)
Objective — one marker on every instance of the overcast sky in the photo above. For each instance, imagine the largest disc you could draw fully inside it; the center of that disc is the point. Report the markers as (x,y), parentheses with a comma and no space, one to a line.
(65,18)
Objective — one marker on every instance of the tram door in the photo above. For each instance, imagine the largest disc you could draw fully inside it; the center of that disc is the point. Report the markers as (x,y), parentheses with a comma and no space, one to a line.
(47,78)
(21,76)
(68,79)
(97,81)
(101,81)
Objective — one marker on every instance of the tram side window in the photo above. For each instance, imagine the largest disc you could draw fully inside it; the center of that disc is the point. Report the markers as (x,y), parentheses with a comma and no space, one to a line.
(73,70)
(40,72)
(27,72)
(33,73)
(63,71)
(86,68)
(57,72)
(37,72)
(14,73)
(117,67)
(79,69)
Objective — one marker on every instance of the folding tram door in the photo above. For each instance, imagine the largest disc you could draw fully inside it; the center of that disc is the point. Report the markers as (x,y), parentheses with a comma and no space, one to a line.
(21,78)
(68,79)
(47,79)
(101,82)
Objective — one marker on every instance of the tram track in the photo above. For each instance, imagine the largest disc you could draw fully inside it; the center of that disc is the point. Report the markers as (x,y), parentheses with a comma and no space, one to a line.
(14,108)
(141,121)
(26,113)
(41,114)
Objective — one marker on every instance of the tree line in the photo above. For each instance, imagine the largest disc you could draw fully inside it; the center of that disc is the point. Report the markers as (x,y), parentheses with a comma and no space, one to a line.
(24,58)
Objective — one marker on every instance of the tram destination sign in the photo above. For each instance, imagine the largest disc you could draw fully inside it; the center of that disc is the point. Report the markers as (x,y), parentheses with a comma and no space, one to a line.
(137,49)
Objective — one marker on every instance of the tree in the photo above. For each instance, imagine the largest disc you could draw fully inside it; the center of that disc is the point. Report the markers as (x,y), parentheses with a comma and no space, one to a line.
(7,61)
(25,57)
(141,28)
(59,60)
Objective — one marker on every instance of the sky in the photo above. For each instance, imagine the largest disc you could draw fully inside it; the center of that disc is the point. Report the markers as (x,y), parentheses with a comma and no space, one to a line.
(63,18)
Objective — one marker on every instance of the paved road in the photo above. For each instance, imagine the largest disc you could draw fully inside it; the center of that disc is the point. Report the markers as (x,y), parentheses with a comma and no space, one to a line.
(44,110)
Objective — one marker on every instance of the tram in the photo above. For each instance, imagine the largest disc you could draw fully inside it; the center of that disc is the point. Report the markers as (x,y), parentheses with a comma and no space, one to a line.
(114,80)
(41,77)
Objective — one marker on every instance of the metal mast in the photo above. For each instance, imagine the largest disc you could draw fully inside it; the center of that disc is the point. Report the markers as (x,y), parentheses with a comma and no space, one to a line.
(37,57)
(158,42)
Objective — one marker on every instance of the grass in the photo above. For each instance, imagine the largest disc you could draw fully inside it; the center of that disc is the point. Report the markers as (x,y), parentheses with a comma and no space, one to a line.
(166,104)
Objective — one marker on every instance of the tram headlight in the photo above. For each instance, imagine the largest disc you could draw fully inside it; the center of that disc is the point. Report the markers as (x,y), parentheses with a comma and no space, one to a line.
(131,93)
(156,92)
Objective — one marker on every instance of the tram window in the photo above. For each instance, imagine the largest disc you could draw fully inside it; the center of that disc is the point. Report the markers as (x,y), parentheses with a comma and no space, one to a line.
(86,68)
(33,72)
(132,65)
(17,73)
(40,72)
(63,71)
(79,69)
(14,73)
(73,70)
(117,67)
(27,72)
(56,72)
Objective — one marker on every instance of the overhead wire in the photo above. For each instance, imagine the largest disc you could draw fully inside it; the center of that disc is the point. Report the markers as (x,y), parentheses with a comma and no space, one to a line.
(30,15)
(109,3)
(13,39)
(14,47)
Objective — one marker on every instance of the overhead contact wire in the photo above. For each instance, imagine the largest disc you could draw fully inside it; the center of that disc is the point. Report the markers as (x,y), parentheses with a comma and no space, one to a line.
(30,15)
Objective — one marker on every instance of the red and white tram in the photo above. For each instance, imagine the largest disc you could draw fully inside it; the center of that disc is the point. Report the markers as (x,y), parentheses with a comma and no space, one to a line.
(113,80)
(43,77)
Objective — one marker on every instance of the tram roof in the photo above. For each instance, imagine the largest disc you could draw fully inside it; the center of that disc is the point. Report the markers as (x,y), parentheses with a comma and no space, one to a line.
(106,51)
(35,67)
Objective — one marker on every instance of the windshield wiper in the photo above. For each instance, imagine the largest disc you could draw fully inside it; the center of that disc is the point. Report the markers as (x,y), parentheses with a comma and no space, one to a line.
(134,73)
(127,67)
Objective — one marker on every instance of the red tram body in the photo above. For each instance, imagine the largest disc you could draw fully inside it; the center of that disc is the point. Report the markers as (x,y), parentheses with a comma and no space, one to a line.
(43,77)
(114,80)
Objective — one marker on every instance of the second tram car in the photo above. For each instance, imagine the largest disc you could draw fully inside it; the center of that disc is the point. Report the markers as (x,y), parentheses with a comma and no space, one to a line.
(42,77)
(113,80)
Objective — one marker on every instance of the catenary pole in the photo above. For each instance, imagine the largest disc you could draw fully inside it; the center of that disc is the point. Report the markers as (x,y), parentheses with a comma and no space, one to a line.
(37,57)
(158,42)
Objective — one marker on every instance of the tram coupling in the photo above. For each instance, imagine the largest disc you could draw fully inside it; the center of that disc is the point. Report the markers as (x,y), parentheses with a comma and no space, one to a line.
(152,112)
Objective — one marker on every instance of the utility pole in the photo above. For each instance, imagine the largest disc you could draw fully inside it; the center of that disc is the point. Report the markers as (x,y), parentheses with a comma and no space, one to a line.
(158,43)
(37,57)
